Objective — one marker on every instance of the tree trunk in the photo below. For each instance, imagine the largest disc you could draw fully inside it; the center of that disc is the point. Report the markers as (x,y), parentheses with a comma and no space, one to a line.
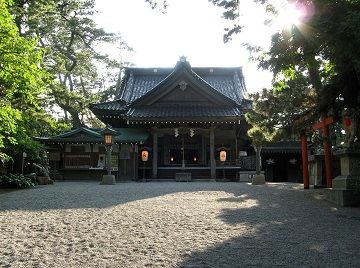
(258,159)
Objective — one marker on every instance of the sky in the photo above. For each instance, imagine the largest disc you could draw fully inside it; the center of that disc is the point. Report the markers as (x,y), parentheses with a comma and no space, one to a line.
(190,28)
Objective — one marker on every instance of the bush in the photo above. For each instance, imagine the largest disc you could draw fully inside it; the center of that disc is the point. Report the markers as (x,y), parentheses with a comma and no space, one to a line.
(16,181)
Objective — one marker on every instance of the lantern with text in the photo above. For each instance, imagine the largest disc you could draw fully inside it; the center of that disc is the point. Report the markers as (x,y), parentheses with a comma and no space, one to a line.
(222,155)
(144,155)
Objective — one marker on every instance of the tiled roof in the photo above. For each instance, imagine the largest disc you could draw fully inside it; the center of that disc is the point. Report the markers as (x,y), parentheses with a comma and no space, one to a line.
(226,85)
(95,136)
(186,111)
(139,81)
(116,105)
(139,85)
(91,133)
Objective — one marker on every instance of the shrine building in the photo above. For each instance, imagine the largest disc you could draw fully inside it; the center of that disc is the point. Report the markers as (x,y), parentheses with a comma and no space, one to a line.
(188,121)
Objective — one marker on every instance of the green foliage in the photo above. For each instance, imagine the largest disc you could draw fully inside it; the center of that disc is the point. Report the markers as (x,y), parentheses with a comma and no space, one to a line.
(23,85)
(21,81)
(284,110)
(16,181)
(70,38)
(316,65)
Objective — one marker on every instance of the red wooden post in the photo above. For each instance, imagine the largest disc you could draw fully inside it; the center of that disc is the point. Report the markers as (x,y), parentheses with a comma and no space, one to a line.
(305,162)
(323,125)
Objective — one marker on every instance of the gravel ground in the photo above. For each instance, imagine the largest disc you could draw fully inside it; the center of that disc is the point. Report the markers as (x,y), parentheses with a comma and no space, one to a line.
(169,224)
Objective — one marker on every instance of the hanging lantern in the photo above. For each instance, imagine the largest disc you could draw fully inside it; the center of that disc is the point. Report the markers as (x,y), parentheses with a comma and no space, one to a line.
(222,155)
(144,155)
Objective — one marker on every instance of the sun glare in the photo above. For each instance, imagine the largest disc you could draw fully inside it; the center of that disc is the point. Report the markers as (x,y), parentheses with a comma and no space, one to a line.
(288,16)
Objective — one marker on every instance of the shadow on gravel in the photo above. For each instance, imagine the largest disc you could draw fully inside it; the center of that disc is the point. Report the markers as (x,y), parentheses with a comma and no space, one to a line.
(290,229)
(77,195)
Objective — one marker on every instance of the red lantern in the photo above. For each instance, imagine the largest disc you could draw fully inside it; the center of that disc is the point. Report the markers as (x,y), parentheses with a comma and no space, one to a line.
(144,155)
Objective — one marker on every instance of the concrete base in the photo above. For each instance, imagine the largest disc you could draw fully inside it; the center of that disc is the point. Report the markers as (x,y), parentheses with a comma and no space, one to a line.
(108,180)
(258,179)
(346,182)
(346,188)
(342,197)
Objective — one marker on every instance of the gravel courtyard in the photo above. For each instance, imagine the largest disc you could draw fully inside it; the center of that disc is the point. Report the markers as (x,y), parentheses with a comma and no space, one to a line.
(169,224)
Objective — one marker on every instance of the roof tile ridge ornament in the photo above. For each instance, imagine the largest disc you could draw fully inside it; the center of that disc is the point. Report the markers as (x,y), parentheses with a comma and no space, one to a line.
(183,63)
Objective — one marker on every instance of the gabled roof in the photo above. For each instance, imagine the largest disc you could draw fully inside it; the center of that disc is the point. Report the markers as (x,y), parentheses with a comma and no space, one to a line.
(79,132)
(138,83)
(183,73)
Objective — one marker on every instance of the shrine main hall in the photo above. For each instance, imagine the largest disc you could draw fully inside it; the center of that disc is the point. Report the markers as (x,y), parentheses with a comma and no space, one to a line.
(187,120)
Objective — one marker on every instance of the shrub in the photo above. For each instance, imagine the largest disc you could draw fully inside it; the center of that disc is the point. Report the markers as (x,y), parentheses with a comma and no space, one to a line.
(16,181)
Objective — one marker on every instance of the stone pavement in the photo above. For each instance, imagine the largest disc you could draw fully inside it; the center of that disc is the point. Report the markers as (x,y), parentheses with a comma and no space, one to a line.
(175,224)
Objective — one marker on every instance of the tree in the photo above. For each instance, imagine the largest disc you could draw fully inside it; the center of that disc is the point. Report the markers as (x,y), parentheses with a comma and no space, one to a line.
(66,31)
(317,58)
(23,84)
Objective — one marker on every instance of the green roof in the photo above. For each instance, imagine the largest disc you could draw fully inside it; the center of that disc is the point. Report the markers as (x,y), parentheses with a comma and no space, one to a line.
(86,135)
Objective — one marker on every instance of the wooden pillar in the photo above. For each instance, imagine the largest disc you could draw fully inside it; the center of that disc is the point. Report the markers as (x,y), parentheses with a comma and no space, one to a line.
(212,154)
(305,162)
(236,145)
(327,156)
(203,149)
(118,172)
(155,155)
(236,150)
(135,161)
